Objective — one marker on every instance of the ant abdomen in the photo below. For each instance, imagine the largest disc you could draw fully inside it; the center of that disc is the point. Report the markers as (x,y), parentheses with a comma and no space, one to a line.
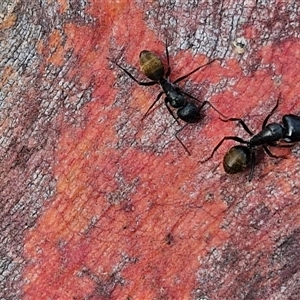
(190,113)
(237,159)
(151,65)
(270,133)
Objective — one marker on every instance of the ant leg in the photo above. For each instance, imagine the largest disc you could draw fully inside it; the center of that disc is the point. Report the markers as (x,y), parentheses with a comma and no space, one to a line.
(192,97)
(284,146)
(241,122)
(168,61)
(170,111)
(192,72)
(166,103)
(270,114)
(253,159)
(204,103)
(151,106)
(288,145)
(271,154)
(234,138)
(208,103)
(180,141)
(133,78)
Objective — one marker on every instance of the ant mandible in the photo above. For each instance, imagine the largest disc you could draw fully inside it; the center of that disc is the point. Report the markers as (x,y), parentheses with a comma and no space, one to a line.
(239,157)
(152,67)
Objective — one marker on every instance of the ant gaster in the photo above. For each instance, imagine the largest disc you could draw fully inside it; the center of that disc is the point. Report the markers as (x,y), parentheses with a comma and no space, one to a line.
(151,65)
(239,157)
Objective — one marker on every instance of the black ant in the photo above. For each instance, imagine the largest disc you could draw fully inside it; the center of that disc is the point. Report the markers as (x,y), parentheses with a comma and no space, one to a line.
(151,65)
(239,157)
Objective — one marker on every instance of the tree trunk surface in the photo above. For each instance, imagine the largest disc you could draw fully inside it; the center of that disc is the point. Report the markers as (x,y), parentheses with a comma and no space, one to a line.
(100,202)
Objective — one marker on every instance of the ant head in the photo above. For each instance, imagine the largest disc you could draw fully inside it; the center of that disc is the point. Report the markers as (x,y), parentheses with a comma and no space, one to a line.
(237,159)
(189,113)
(151,65)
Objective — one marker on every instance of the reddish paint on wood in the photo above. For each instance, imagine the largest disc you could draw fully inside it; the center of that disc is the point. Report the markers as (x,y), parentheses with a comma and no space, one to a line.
(142,220)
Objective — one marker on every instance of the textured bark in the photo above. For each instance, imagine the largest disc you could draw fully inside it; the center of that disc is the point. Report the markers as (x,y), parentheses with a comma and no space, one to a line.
(99,204)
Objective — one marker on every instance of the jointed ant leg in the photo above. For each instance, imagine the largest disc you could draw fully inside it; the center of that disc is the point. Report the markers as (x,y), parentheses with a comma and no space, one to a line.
(241,122)
(208,103)
(270,114)
(151,106)
(252,161)
(170,110)
(234,138)
(271,154)
(192,97)
(180,141)
(168,61)
(192,72)
(133,78)
(282,146)
(204,103)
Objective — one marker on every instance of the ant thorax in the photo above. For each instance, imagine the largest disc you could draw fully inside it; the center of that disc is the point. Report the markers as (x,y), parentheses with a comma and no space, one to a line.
(273,132)
(174,95)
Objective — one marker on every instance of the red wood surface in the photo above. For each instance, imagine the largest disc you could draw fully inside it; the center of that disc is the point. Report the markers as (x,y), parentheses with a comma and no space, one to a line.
(132,215)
